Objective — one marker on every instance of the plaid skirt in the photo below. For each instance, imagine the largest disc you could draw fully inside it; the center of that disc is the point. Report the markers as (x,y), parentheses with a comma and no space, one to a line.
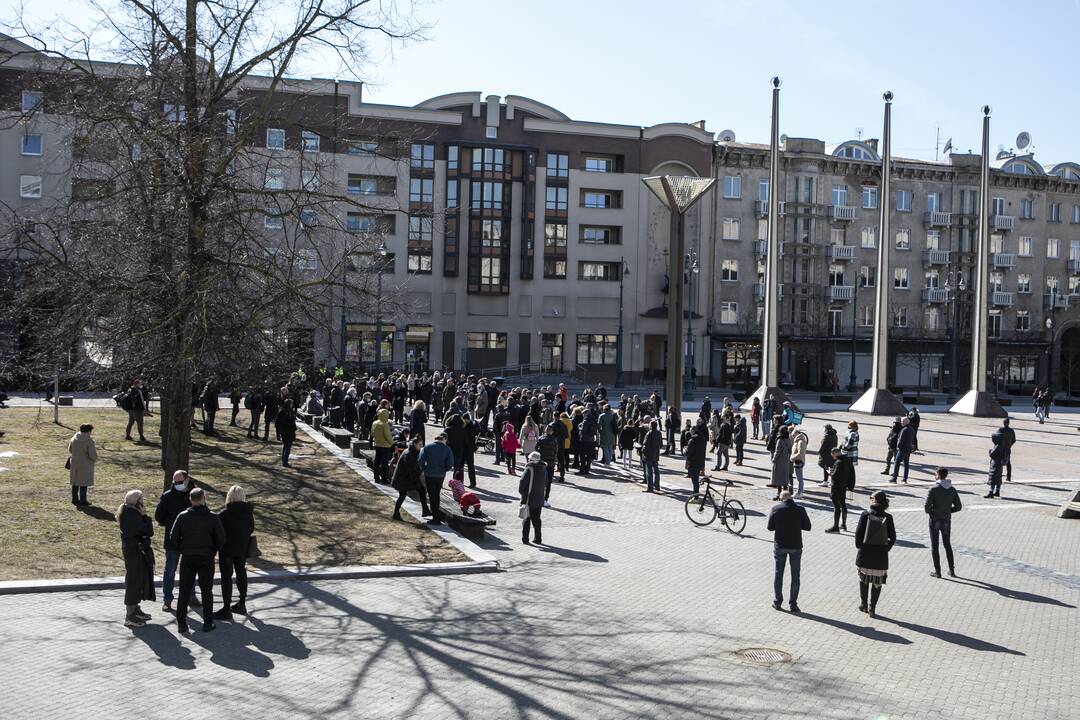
(872,576)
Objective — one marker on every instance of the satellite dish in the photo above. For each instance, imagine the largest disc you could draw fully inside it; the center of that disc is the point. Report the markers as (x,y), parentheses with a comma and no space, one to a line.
(727,136)
(783,139)
(1023,140)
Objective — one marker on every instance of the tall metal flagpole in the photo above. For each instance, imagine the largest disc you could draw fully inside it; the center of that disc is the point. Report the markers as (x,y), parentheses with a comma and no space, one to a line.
(877,400)
(977,402)
(770,338)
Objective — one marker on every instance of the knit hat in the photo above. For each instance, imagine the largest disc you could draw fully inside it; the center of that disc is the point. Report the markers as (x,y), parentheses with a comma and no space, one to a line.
(534,457)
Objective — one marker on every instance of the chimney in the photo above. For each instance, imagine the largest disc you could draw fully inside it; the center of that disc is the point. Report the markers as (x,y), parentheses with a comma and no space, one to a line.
(872,143)
(700,124)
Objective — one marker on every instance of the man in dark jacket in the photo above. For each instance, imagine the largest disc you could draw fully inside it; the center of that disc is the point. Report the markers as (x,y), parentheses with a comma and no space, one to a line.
(723,444)
(650,457)
(198,535)
(173,501)
(210,406)
(941,502)
(915,419)
(787,521)
(436,459)
(1008,439)
(531,489)
(136,404)
(905,443)
(548,447)
(587,439)
(695,454)
(272,400)
(843,481)
(255,403)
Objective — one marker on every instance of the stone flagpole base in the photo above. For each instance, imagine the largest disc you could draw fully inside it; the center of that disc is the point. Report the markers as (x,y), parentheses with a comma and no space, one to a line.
(979,403)
(776,393)
(878,401)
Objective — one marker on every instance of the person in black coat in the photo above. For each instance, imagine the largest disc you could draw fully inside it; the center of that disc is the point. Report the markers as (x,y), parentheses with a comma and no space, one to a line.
(272,398)
(408,478)
(548,447)
(198,535)
(587,432)
(824,453)
(843,482)
(531,488)
(173,501)
(874,538)
(210,406)
(418,419)
(787,521)
(136,529)
(348,408)
(468,462)
(286,430)
(695,454)
(455,439)
(238,520)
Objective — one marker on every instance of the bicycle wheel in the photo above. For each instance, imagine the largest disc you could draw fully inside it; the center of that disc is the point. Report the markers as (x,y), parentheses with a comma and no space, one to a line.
(701,509)
(733,516)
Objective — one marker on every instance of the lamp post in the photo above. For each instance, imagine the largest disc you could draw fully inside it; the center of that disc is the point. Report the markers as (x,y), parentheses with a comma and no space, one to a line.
(380,258)
(691,268)
(954,340)
(1050,350)
(852,381)
(623,272)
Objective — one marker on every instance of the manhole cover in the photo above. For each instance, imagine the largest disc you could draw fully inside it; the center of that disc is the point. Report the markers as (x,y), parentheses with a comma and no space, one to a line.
(763,656)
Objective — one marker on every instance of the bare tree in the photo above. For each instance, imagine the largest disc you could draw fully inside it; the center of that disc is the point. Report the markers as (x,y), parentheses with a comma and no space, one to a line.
(159,261)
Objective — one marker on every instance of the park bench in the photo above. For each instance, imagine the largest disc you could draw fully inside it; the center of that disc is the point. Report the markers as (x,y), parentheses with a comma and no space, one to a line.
(314,421)
(838,399)
(471,526)
(339,436)
(361,449)
(66,401)
(918,400)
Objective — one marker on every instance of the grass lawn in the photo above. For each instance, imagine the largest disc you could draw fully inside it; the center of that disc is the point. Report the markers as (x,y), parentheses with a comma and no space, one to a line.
(317,512)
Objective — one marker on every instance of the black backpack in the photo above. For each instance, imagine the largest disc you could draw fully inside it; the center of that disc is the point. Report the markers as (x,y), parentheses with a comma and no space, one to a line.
(124,400)
(877,530)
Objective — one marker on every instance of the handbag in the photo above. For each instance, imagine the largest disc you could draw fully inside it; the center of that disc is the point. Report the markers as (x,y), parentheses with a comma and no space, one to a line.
(253,550)
(523,511)
(67,465)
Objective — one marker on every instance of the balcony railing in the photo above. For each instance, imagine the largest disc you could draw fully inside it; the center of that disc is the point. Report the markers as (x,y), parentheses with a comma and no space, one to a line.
(835,293)
(1074,265)
(843,212)
(936,257)
(761,208)
(759,248)
(1004,222)
(1004,260)
(938,219)
(1001,299)
(935,295)
(1055,301)
(841,252)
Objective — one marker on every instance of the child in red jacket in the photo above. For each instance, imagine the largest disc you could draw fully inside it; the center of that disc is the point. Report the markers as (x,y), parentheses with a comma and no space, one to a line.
(510,447)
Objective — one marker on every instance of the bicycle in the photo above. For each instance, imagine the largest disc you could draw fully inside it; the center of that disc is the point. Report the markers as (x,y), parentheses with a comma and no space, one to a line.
(701,508)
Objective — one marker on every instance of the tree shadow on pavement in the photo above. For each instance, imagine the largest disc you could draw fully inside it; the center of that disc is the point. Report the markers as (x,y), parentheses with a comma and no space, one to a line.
(867,632)
(165,643)
(1010,593)
(953,637)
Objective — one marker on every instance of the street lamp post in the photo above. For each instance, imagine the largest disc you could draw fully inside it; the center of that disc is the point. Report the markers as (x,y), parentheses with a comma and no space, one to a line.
(1050,350)
(852,381)
(380,255)
(954,340)
(619,382)
(691,268)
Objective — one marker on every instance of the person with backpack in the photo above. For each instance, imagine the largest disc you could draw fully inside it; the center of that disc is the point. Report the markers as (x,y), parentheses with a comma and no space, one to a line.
(890,441)
(135,401)
(825,456)
(998,453)
(843,482)
(941,502)
(914,419)
(905,445)
(285,424)
(799,441)
(234,398)
(1008,439)
(254,404)
(738,437)
(875,536)
(510,446)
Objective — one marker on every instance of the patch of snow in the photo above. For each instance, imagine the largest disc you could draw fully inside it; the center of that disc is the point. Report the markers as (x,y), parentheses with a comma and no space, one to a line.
(8,454)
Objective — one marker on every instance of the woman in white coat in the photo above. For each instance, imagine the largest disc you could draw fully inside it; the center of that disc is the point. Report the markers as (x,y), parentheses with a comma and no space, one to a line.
(82,456)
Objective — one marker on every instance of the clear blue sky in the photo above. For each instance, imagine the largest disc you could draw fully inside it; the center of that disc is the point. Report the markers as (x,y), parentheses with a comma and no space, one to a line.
(641,62)
(609,61)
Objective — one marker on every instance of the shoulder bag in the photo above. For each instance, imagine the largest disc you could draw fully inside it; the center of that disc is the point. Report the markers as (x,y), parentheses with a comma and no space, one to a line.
(523,511)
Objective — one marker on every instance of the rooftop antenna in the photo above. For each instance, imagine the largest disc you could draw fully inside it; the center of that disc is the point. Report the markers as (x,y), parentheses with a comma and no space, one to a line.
(858,133)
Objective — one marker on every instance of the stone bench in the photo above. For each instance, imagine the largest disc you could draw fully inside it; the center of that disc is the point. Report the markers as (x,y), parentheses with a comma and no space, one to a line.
(471,526)
(339,436)
(917,400)
(1070,509)
(315,421)
(66,401)
(361,449)
(837,399)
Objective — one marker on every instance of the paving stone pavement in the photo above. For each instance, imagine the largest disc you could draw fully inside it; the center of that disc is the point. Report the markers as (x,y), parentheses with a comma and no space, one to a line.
(629,612)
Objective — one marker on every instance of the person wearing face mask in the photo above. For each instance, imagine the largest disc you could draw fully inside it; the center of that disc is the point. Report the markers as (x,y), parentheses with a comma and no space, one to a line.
(173,501)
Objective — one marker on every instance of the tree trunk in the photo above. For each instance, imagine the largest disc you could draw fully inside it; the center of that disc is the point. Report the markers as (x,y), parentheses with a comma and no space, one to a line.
(176,413)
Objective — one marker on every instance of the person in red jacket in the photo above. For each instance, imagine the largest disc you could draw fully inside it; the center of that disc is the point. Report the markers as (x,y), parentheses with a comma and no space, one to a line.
(510,446)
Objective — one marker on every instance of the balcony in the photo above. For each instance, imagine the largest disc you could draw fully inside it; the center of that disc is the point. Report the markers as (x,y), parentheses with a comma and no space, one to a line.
(1055,301)
(1001,299)
(935,257)
(1004,260)
(843,212)
(759,248)
(838,293)
(1074,266)
(935,295)
(1004,222)
(841,252)
(759,292)
(938,219)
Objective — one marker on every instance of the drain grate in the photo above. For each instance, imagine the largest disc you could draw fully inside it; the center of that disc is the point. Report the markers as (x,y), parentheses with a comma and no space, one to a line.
(763,656)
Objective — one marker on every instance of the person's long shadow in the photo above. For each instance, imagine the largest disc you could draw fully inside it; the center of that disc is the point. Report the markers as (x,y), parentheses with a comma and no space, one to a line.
(573,554)
(954,637)
(98,513)
(278,640)
(228,646)
(869,633)
(587,489)
(582,516)
(167,646)
(1012,594)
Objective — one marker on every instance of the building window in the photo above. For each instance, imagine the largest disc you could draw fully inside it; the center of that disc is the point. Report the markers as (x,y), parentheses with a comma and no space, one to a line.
(732,187)
(311,141)
(762,229)
(307,260)
(558,165)
(1051,247)
(363,185)
(931,319)
(556,199)
(839,195)
(489,160)
(599,163)
(491,272)
(996,281)
(1074,285)
(30,186)
(175,114)
(869,237)
(1076,214)
(491,233)
(453,154)
(363,147)
(1023,320)
(729,270)
(933,202)
(1024,246)
(554,269)
(869,197)
(994,329)
(600,198)
(763,191)
(731,229)
(901,280)
(361,223)
(729,313)
(422,156)
(836,236)
(309,219)
(836,275)
(1051,283)
(275,138)
(555,236)
(600,235)
(932,278)
(1023,283)
(903,239)
(903,201)
(866,318)
(31,144)
(807,189)
(485,341)
(588,270)
(1027,210)
(420,244)
(900,316)
(487,196)
(867,276)
(933,239)
(451,194)
(421,191)
(273,220)
(309,180)
(1054,212)
(997,243)
(997,205)
(596,349)
(31,101)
